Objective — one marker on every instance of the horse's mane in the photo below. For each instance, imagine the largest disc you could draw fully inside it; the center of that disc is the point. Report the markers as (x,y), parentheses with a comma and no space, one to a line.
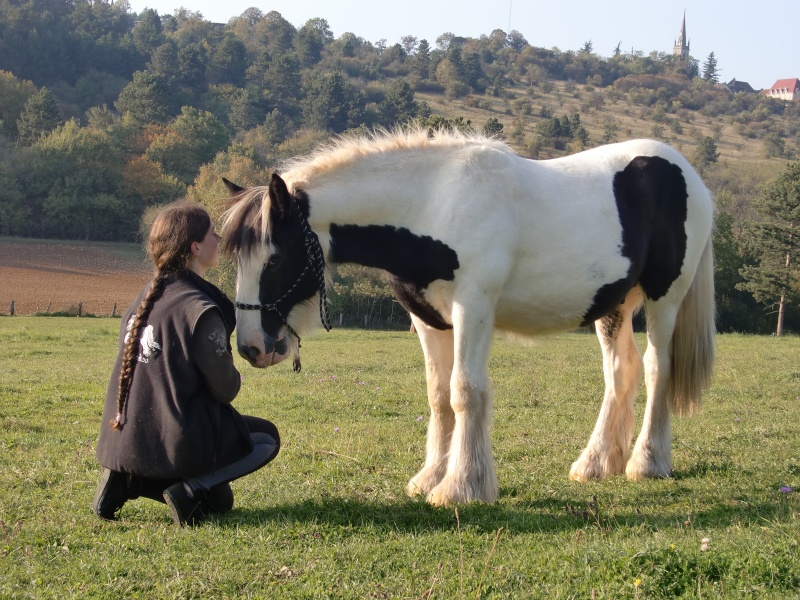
(246,223)
(345,149)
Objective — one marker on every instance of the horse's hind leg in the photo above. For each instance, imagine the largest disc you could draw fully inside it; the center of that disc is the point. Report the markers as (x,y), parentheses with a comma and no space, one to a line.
(608,448)
(437,346)
(652,453)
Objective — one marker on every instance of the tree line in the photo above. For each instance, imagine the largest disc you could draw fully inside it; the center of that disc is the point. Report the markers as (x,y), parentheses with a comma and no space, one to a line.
(106,115)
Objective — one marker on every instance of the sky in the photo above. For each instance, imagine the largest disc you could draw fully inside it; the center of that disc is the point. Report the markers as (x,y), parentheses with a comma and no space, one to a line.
(752,41)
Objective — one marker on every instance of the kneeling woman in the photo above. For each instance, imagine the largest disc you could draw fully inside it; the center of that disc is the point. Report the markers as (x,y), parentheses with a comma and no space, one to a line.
(169,431)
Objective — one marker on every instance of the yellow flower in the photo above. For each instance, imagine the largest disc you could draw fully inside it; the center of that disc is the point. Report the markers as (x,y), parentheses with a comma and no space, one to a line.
(637,582)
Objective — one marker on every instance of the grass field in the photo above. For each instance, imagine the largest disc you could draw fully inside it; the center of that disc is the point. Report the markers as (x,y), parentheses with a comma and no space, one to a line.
(328,518)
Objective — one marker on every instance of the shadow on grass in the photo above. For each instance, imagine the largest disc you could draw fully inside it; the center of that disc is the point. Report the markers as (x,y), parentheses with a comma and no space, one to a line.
(538,516)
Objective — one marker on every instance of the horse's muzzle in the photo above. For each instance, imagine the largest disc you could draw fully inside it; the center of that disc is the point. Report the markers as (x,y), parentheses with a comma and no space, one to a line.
(272,352)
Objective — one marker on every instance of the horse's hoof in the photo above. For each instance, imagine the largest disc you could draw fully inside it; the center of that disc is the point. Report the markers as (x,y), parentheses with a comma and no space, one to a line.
(584,470)
(424,481)
(450,492)
(644,466)
(412,489)
(593,467)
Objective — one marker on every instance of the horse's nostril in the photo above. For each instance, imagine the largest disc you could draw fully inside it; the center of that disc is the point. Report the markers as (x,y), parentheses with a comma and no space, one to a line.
(249,352)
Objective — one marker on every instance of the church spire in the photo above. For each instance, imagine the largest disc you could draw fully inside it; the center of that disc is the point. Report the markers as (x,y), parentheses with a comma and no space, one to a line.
(681,47)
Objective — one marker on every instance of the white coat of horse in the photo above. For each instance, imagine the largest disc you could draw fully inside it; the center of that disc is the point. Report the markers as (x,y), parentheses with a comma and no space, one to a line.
(477,239)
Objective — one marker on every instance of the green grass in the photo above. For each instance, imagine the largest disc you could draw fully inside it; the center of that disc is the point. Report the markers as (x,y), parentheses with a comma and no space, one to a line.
(328,518)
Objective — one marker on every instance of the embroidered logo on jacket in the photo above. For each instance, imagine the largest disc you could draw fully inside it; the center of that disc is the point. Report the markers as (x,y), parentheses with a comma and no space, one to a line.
(220,341)
(147,342)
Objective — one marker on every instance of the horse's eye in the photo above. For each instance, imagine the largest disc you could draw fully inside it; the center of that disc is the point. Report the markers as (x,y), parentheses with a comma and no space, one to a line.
(271,261)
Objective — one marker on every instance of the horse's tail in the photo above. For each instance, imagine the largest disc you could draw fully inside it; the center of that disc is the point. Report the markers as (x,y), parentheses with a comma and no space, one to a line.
(693,339)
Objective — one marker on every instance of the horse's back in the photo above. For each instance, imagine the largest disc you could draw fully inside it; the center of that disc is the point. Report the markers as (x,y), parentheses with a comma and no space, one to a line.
(596,224)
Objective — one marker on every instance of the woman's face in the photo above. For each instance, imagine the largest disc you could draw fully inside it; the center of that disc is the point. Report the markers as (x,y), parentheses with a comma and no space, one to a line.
(206,251)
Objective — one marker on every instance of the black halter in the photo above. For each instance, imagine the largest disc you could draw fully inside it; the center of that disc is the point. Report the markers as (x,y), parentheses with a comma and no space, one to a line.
(315,261)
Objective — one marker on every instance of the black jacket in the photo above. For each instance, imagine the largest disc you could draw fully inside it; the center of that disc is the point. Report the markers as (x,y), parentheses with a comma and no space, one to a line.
(178,421)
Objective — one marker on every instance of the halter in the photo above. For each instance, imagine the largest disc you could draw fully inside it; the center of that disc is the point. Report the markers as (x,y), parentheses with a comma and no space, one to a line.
(315,261)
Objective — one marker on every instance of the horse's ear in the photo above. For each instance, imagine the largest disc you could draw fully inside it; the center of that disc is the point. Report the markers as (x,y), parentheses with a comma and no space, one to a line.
(280,198)
(232,187)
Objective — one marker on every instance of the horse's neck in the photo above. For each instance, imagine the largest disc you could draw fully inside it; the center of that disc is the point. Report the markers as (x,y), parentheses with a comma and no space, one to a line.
(368,194)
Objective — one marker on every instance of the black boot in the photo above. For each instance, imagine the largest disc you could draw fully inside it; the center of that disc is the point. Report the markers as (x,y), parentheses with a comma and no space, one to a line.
(219,499)
(185,508)
(112,493)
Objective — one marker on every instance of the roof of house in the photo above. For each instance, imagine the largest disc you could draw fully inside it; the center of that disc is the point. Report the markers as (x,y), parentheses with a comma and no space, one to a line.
(793,85)
(739,86)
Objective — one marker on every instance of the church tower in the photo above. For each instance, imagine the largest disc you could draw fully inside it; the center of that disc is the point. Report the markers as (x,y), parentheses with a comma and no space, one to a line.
(681,47)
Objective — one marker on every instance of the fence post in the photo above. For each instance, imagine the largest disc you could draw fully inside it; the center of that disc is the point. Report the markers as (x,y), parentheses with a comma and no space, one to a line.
(48,307)
(80,308)
(11,310)
(114,310)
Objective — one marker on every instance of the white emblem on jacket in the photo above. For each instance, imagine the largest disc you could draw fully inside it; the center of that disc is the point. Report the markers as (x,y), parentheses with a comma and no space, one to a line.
(147,342)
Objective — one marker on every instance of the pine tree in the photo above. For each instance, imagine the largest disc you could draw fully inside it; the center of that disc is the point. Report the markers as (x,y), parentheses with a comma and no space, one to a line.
(775,241)
(710,70)
(40,116)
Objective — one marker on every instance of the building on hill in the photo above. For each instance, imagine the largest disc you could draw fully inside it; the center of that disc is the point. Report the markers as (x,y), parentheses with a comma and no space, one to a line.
(681,47)
(784,89)
(738,87)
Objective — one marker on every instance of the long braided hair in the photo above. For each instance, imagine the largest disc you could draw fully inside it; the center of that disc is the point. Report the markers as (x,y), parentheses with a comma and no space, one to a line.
(169,247)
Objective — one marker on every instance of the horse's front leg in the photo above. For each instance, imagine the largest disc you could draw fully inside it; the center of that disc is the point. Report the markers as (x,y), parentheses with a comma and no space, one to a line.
(437,346)
(470,471)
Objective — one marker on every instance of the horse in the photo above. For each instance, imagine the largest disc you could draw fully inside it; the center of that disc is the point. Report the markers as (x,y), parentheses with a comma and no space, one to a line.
(475,238)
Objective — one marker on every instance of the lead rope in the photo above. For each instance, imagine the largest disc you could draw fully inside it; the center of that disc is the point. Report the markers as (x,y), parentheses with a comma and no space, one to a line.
(314,251)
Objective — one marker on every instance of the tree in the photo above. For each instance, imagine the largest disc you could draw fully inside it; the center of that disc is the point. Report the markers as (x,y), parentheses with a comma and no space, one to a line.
(15,212)
(332,102)
(73,193)
(147,34)
(192,65)
(39,117)
(399,105)
(284,84)
(409,44)
(310,40)
(245,112)
(14,93)
(229,62)
(775,277)
(421,61)
(706,153)
(710,70)
(146,98)
(190,141)
(164,62)
(277,32)
(493,128)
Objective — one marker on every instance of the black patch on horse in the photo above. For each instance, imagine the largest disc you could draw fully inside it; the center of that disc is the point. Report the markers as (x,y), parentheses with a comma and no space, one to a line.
(285,266)
(651,202)
(415,261)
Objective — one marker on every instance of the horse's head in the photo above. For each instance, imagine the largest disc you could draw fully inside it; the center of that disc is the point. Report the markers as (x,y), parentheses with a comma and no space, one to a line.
(280,271)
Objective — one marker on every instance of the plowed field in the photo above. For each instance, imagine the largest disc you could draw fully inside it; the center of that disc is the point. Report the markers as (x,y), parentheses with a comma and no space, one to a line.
(37,274)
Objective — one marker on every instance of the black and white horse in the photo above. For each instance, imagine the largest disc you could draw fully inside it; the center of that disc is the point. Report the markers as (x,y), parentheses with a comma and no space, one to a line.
(474,239)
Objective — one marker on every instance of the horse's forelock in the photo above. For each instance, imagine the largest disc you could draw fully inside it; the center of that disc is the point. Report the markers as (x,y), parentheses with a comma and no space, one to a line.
(246,224)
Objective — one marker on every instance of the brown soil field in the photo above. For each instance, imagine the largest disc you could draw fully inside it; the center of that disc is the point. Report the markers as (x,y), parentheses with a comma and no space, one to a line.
(36,274)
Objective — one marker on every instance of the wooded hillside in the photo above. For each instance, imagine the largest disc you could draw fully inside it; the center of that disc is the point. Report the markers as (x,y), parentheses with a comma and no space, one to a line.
(105,114)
